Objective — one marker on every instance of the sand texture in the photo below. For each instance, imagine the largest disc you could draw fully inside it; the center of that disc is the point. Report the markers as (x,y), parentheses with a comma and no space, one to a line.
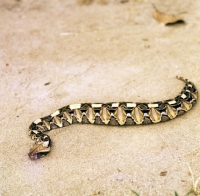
(54,53)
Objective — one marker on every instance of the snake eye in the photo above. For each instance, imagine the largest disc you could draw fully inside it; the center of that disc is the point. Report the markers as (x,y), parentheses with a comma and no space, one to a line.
(45,138)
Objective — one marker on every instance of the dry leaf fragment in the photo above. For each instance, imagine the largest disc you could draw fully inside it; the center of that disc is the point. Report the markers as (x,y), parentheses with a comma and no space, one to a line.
(164,173)
(84,2)
(123,1)
(102,2)
(167,19)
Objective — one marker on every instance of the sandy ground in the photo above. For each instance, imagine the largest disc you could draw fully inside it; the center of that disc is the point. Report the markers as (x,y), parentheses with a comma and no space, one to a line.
(96,53)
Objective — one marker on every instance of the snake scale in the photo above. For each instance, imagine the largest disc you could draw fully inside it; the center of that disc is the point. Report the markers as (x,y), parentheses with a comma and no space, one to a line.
(116,113)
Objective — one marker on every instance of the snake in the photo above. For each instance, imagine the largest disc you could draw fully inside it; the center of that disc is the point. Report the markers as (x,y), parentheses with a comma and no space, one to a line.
(114,113)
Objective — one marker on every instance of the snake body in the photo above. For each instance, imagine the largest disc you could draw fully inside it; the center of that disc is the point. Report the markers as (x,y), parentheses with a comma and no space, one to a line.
(115,113)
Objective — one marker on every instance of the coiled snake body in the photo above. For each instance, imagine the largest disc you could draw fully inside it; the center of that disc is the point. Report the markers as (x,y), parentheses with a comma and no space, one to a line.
(123,113)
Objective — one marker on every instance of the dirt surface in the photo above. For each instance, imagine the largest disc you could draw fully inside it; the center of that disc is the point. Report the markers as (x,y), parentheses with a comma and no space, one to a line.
(55,53)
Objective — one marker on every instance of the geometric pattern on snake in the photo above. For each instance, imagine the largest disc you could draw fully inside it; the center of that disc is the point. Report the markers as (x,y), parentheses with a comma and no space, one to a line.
(114,113)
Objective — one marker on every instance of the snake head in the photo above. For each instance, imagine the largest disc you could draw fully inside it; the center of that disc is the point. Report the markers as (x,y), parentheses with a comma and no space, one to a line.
(41,148)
